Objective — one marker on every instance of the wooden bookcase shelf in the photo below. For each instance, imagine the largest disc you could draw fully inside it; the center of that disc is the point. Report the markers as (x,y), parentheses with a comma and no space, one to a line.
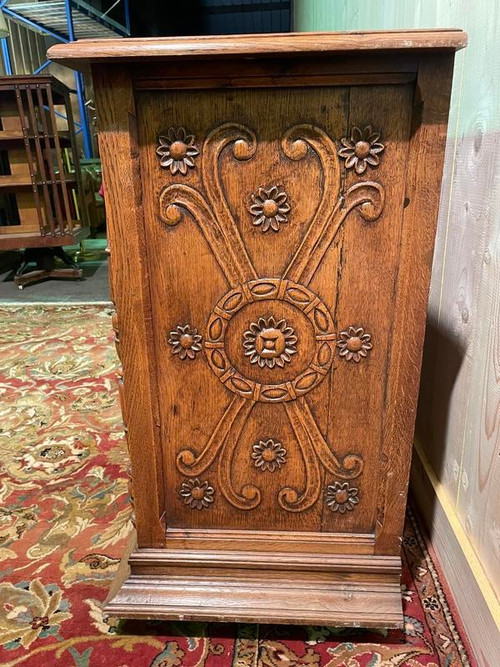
(16,137)
(16,181)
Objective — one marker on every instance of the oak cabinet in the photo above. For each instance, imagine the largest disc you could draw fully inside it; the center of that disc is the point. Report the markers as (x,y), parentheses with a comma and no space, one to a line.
(272,204)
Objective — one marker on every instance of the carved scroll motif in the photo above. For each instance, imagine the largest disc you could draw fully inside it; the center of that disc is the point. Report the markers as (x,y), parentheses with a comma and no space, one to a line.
(368,196)
(212,214)
(295,144)
(222,445)
(249,496)
(192,465)
(349,467)
(244,146)
(289,498)
(175,199)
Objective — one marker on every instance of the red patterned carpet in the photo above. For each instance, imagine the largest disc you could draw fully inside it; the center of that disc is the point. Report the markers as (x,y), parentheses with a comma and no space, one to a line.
(64,517)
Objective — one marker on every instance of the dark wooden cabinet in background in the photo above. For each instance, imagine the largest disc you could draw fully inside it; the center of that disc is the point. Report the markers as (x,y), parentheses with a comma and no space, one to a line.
(272,203)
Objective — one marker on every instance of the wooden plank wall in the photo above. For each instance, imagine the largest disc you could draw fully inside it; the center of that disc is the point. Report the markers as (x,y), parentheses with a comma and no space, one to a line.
(456,475)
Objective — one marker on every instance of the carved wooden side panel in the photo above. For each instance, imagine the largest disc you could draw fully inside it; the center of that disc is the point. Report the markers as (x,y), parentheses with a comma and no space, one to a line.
(121,393)
(271,291)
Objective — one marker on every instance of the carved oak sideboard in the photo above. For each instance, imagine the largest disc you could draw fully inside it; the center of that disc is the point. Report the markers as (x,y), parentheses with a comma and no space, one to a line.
(272,204)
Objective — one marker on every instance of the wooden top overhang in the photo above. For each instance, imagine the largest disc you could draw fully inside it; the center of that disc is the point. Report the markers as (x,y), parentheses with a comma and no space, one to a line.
(86,51)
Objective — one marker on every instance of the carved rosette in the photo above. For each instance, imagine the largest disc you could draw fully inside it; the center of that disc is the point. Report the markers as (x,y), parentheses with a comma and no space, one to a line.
(269,208)
(361,149)
(209,209)
(185,341)
(271,290)
(341,497)
(354,344)
(176,150)
(268,455)
(196,494)
(270,343)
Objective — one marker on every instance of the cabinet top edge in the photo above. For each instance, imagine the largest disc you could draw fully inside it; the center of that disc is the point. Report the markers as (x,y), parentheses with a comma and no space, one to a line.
(253,45)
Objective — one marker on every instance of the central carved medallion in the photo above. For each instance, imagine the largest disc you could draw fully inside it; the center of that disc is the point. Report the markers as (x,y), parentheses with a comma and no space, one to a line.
(270,343)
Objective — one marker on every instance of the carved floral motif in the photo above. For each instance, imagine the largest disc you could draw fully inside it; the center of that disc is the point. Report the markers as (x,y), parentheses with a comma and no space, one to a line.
(177,150)
(269,208)
(269,455)
(354,344)
(361,149)
(340,497)
(210,210)
(185,341)
(273,291)
(270,343)
(196,494)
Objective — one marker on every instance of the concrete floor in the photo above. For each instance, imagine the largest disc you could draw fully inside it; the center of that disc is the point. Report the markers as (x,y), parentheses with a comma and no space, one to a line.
(93,287)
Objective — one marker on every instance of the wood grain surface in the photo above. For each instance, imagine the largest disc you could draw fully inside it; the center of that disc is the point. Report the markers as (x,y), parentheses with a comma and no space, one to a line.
(130,293)
(321,43)
(345,289)
(271,252)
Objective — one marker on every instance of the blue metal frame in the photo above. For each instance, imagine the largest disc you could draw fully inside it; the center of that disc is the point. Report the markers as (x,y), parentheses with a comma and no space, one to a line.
(80,89)
(61,115)
(84,125)
(126,11)
(5,48)
(32,24)
(42,67)
(6,56)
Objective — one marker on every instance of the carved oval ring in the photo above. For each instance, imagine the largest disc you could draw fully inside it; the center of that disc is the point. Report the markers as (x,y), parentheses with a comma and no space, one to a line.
(278,290)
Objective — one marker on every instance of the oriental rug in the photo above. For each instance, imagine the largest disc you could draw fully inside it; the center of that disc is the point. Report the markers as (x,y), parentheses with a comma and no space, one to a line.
(65,515)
